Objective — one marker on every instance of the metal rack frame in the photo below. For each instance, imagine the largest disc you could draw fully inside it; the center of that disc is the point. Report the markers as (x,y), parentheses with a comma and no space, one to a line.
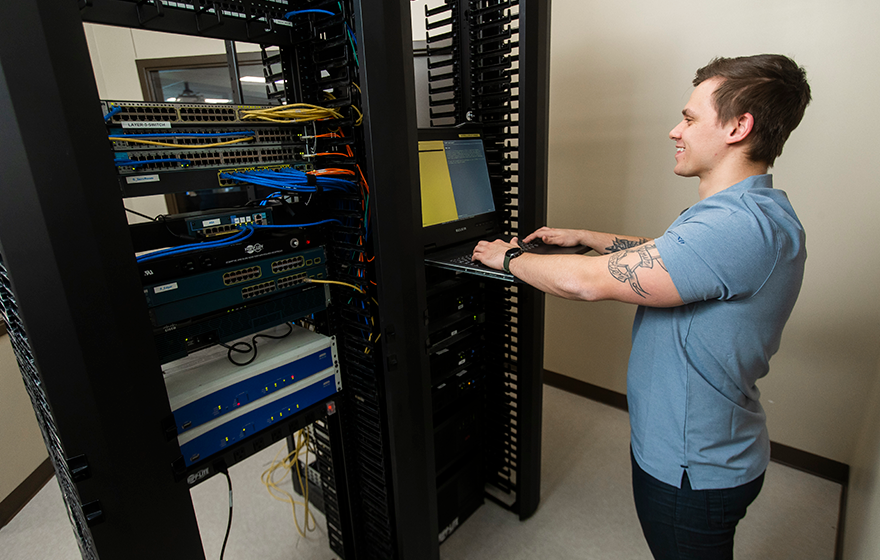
(66,257)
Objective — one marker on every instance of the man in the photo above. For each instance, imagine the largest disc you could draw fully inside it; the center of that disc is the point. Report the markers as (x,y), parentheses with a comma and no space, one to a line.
(714,292)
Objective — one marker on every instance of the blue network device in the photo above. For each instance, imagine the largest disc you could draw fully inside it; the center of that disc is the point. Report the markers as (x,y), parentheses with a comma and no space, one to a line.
(206,388)
(213,437)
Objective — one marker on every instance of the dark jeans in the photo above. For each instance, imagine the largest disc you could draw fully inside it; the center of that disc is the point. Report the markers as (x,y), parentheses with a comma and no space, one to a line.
(686,524)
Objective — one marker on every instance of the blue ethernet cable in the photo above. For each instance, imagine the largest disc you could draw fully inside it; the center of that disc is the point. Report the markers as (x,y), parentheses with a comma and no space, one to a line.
(298,12)
(112,112)
(245,233)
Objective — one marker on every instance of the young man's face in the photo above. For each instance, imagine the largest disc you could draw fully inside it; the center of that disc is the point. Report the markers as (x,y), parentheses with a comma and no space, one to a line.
(699,137)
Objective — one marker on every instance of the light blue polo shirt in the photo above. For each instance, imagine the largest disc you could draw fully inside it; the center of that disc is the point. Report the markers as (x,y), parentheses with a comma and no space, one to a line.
(737,260)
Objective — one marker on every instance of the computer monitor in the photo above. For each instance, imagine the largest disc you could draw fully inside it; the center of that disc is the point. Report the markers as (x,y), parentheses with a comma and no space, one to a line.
(457,201)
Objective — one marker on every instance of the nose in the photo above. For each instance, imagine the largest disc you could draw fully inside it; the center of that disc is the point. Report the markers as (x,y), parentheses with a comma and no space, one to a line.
(675,133)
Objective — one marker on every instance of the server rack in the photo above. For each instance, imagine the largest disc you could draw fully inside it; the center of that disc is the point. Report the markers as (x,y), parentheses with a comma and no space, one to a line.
(72,297)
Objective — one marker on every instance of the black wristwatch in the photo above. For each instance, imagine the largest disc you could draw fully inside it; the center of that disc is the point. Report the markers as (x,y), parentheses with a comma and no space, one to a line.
(509,255)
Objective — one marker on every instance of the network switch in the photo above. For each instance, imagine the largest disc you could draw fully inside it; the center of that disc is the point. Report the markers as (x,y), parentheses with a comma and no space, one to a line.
(122,112)
(214,280)
(190,136)
(178,339)
(191,296)
(261,245)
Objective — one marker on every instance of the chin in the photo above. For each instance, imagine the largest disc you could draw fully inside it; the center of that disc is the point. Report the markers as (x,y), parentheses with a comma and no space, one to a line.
(682,172)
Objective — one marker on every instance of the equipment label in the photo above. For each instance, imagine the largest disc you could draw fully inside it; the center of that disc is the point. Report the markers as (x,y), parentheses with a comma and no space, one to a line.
(157,124)
(142,179)
(165,288)
(283,22)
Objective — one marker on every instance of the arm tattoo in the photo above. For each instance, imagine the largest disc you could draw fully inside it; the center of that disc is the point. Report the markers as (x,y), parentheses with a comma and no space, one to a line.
(621,244)
(624,266)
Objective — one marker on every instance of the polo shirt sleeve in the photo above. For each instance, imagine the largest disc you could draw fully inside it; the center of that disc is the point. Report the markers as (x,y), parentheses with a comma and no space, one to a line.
(718,252)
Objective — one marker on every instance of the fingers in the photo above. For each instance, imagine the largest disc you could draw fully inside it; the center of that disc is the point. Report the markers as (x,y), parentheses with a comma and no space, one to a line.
(542,232)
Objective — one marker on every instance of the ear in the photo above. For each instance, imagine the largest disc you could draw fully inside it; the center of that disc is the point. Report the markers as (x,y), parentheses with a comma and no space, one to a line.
(740,128)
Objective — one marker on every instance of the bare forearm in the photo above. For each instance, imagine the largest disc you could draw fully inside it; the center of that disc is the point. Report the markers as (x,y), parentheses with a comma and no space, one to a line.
(637,275)
(558,275)
(605,243)
(602,243)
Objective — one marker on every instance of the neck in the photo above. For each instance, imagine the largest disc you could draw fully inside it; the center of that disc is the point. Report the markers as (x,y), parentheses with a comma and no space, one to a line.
(721,178)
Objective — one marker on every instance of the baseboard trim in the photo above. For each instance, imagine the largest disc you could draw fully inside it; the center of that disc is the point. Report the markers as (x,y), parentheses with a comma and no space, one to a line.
(24,492)
(789,456)
(587,390)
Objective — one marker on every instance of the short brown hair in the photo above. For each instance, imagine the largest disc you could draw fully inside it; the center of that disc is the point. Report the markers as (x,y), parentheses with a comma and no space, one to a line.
(772,87)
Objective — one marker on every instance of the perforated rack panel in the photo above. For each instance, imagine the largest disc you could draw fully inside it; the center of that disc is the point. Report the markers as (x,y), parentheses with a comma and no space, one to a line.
(34,385)
(473,49)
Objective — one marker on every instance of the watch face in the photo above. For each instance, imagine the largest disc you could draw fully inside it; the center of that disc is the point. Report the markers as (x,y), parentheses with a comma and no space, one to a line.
(515,252)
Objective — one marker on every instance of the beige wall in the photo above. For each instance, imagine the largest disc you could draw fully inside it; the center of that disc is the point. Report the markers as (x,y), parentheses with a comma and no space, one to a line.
(620,75)
(20,436)
(863,509)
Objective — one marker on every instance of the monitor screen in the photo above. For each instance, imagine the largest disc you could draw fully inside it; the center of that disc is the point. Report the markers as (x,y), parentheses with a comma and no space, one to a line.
(456,194)
(454,180)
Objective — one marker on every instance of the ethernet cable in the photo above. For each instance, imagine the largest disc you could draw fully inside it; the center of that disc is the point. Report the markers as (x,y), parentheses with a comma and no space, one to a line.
(290,180)
(128,138)
(292,113)
(241,235)
(298,12)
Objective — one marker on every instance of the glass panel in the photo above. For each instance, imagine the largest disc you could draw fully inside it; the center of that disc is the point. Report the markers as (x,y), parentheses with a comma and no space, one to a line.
(210,85)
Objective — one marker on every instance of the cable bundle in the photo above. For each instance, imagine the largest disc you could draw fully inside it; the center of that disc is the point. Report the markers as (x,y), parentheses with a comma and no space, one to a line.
(293,113)
(291,180)
(288,464)
(244,233)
